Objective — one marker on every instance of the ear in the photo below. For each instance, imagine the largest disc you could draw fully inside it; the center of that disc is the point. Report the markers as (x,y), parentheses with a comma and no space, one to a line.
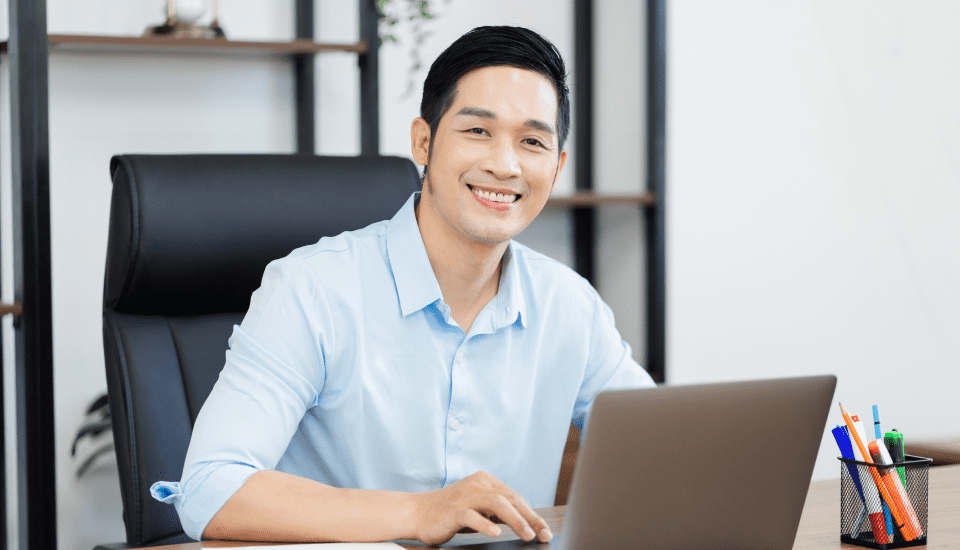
(420,141)
(563,160)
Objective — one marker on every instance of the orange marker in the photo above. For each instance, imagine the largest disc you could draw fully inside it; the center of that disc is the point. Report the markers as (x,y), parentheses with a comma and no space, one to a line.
(895,487)
(908,533)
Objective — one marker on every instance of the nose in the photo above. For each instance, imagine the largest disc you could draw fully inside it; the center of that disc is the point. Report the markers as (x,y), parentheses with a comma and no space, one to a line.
(501,159)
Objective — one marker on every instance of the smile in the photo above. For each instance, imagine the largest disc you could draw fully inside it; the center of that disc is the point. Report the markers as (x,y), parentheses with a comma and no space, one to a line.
(494,195)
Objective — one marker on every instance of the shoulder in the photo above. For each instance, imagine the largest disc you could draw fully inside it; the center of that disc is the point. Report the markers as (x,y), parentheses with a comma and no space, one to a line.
(550,280)
(332,261)
(334,248)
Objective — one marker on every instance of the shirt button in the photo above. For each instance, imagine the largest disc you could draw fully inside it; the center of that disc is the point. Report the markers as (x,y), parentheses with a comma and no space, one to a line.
(455,424)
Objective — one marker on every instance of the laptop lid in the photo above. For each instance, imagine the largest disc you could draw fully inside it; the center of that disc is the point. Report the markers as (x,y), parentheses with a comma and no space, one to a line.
(701,466)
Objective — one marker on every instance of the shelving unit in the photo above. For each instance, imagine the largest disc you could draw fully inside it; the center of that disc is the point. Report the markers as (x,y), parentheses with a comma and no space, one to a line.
(81,42)
(28,50)
(591,199)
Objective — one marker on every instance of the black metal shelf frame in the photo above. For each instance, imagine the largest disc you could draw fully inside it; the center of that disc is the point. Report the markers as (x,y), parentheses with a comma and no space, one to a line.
(28,53)
(585,217)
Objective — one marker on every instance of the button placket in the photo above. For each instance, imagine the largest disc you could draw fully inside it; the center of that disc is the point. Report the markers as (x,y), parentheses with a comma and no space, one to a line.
(454,433)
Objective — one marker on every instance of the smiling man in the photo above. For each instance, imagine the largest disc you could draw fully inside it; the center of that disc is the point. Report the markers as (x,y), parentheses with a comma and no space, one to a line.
(418,376)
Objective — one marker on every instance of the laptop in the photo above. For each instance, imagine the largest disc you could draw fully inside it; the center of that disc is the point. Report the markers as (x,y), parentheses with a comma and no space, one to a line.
(701,466)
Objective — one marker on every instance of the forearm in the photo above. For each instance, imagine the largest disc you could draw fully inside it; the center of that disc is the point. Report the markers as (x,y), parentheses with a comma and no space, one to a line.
(279,507)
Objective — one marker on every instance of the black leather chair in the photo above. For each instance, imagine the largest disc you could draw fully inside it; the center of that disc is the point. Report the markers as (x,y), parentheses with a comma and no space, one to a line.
(189,238)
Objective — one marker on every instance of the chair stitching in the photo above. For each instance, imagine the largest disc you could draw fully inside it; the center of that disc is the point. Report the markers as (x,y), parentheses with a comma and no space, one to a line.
(131,443)
(134,255)
(183,378)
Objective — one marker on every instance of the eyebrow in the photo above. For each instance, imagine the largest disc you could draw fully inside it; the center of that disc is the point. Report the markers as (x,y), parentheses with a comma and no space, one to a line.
(485,113)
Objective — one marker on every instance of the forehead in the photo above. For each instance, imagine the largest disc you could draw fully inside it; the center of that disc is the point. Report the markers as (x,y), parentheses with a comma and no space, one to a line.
(507,92)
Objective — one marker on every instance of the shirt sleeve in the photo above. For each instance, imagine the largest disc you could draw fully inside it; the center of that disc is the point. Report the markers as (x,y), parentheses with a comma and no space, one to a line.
(610,365)
(274,372)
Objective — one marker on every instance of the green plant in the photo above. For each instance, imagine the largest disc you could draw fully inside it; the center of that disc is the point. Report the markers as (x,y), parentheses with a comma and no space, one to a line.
(97,423)
(407,21)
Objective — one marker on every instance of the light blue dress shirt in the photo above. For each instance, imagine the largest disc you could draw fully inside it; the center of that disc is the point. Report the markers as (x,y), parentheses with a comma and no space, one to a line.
(349,370)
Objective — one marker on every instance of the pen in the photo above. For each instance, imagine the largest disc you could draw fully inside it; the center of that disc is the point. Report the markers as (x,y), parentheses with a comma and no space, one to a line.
(894,443)
(895,487)
(846,451)
(876,422)
(886,509)
(907,533)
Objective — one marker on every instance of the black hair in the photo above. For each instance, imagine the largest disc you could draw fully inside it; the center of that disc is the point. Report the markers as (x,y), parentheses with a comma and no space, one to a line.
(489,47)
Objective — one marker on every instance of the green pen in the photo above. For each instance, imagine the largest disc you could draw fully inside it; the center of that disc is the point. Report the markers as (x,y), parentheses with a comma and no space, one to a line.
(894,443)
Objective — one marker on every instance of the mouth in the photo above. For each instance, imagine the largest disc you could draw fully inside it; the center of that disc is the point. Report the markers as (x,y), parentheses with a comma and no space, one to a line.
(500,197)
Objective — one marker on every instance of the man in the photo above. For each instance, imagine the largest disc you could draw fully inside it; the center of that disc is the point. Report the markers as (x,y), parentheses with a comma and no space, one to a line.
(417,377)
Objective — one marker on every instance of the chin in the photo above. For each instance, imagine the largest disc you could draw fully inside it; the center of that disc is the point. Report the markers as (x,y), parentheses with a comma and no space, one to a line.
(492,235)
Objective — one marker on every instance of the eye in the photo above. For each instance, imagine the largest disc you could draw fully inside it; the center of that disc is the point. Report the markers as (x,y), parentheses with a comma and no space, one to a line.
(534,142)
(477,131)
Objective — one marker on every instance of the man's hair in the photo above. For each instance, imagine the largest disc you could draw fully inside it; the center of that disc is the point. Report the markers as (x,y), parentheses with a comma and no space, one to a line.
(490,47)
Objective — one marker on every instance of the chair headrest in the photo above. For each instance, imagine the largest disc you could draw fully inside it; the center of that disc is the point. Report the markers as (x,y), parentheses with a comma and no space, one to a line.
(192,234)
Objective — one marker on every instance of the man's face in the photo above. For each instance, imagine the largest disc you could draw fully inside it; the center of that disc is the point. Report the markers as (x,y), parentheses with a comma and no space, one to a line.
(494,159)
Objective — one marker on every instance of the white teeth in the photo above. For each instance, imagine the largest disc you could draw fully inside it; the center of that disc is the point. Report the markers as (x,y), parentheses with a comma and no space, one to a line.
(495,197)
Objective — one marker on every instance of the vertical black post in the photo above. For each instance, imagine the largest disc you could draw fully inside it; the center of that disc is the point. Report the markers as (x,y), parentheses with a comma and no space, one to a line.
(369,78)
(31,241)
(3,462)
(654,227)
(584,218)
(303,67)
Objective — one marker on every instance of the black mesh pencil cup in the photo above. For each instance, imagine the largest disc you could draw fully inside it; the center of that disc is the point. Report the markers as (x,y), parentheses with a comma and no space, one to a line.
(867,521)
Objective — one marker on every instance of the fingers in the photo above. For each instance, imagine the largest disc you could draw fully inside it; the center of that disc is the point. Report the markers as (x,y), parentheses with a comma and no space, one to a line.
(536,523)
(475,520)
(512,510)
(515,511)
(466,503)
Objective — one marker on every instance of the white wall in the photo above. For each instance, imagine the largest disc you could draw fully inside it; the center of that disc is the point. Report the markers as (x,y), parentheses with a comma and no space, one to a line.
(813,187)
(103,104)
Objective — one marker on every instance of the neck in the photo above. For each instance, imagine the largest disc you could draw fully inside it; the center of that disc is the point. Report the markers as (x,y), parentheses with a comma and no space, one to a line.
(467,271)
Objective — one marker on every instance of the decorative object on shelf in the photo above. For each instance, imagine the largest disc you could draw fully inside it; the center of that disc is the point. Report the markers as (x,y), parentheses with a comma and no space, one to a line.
(406,17)
(97,423)
(182,17)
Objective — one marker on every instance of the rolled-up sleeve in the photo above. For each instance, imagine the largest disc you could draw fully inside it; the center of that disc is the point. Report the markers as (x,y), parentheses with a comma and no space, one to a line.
(610,364)
(273,373)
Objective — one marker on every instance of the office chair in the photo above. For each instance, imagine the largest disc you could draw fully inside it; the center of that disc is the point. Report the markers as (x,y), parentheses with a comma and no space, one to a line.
(189,238)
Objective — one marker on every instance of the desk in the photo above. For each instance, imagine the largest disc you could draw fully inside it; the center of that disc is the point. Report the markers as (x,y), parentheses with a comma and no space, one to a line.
(819,525)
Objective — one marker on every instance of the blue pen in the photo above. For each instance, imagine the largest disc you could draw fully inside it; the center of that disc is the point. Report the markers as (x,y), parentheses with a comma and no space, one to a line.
(846,451)
(876,423)
(886,509)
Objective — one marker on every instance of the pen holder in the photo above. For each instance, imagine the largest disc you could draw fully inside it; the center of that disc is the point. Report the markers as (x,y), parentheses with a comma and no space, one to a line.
(858,524)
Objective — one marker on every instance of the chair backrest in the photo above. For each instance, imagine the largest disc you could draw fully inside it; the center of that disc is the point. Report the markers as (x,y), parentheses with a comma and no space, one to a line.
(189,238)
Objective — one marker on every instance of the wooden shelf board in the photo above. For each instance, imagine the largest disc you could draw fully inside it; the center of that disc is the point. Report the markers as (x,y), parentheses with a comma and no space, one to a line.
(211,45)
(583,198)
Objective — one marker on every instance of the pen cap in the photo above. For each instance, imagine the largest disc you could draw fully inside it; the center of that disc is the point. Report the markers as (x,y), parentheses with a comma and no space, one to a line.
(894,443)
(875,454)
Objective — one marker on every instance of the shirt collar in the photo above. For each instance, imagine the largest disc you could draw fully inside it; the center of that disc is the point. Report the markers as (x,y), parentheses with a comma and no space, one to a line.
(416,282)
(417,285)
(510,300)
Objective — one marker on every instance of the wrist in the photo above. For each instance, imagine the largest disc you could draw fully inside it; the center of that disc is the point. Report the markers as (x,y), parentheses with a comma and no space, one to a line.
(411,505)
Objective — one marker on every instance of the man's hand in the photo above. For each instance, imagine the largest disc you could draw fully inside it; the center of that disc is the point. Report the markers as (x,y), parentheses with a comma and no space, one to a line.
(470,503)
